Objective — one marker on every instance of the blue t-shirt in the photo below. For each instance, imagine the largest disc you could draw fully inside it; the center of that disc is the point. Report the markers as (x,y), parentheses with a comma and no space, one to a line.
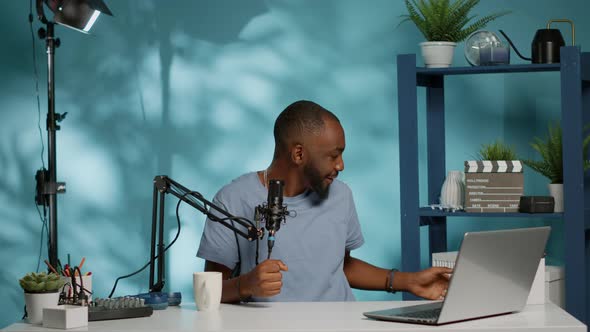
(312,242)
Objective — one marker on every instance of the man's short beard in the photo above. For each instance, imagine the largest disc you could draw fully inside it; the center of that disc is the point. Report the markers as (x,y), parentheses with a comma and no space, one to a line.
(316,181)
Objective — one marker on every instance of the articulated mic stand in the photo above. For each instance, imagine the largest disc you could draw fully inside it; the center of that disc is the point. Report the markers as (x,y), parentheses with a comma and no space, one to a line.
(164,185)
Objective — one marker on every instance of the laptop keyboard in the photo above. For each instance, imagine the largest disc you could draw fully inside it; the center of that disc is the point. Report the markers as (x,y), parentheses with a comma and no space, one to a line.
(431,314)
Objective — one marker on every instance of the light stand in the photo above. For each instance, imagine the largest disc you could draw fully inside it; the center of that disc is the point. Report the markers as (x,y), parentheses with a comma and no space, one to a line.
(164,185)
(70,13)
(47,187)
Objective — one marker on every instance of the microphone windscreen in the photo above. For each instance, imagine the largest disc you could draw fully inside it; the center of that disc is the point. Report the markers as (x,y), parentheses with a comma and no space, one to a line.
(274,206)
(275,192)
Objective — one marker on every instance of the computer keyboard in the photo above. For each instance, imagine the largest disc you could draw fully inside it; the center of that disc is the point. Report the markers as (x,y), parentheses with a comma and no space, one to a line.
(118,308)
(431,314)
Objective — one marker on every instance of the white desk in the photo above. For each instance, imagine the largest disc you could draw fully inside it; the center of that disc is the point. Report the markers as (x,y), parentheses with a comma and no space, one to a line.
(320,316)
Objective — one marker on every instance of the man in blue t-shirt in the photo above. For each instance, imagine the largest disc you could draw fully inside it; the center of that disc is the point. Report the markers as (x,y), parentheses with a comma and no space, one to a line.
(311,258)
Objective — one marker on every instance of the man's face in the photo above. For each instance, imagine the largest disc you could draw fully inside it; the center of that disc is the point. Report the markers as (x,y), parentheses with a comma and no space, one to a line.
(325,158)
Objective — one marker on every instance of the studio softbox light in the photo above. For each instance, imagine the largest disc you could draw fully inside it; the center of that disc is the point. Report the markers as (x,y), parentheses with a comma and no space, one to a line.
(77,14)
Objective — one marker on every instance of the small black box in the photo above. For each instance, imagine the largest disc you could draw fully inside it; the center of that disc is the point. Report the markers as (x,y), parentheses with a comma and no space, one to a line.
(536,204)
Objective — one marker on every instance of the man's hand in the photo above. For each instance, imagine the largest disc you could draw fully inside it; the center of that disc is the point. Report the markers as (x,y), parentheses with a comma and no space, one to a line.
(264,280)
(430,284)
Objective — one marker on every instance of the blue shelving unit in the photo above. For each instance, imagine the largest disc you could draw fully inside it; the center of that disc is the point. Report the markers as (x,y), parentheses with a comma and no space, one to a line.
(428,212)
(574,73)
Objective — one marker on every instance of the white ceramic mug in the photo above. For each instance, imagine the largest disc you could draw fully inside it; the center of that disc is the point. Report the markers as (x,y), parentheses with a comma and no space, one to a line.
(207,290)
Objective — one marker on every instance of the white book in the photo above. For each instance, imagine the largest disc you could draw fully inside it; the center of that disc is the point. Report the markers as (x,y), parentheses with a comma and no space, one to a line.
(537,293)
(444,259)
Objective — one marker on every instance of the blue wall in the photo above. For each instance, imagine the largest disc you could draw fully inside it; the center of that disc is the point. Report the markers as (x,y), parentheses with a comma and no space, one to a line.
(191,89)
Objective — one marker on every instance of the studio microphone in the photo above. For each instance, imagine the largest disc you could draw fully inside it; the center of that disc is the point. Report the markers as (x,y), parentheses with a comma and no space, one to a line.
(275,211)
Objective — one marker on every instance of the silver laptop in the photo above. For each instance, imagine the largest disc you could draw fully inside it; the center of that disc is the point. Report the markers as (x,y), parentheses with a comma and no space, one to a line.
(493,275)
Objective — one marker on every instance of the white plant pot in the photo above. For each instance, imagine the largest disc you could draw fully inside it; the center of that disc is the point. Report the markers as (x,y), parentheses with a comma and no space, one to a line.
(556,190)
(35,303)
(437,54)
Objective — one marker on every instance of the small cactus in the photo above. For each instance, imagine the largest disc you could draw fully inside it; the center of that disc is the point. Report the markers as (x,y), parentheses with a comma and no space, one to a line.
(41,282)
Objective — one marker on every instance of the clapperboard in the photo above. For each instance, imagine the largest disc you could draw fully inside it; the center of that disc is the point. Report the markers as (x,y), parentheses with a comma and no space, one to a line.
(493,166)
(493,185)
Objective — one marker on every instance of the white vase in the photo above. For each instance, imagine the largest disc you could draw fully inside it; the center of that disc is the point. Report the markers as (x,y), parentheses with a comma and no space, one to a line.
(35,302)
(556,190)
(437,54)
(452,193)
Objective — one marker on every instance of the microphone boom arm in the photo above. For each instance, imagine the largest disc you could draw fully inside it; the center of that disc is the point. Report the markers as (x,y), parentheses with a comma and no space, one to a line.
(165,185)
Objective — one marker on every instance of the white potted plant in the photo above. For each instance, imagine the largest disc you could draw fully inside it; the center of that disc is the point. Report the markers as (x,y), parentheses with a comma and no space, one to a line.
(551,166)
(41,291)
(444,23)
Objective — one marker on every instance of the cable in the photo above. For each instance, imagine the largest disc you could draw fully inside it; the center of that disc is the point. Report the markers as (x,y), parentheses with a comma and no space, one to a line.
(43,220)
(152,260)
(237,269)
(43,227)
(208,213)
(206,206)
(36,82)
(81,295)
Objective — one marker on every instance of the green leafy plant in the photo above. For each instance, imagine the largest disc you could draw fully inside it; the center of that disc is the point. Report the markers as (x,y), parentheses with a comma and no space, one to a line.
(551,165)
(497,151)
(41,282)
(446,20)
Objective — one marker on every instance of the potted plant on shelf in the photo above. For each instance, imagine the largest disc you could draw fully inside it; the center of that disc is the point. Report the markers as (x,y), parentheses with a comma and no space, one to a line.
(444,23)
(41,291)
(496,151)
(494,182)
(551,165)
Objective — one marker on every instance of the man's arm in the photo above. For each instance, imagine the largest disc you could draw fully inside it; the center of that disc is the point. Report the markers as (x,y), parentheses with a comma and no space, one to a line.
(263,281)
(430,283)
(363,275)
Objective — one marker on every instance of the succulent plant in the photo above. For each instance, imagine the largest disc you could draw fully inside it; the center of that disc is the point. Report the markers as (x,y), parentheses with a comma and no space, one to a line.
(41,282)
